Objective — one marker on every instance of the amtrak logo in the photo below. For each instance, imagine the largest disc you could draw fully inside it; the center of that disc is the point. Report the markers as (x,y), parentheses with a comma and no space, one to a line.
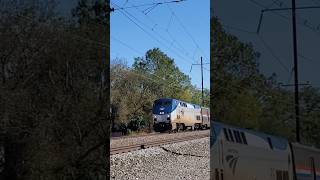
(232,161)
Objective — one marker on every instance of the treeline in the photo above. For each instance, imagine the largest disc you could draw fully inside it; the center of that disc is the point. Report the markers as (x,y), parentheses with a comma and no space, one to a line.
(241,95)
(134,88)
(53,91)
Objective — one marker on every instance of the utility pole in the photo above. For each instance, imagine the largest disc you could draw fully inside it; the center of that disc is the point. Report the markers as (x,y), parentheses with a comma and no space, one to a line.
(295,55)
(296,81)
(202,96)
(202,90)
(201,64)
(202,81)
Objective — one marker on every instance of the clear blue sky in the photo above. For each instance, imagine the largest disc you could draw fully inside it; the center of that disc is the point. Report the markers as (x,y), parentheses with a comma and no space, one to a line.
(168,24)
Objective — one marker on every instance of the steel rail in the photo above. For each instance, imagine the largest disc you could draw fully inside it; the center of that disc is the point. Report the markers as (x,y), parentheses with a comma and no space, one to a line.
(139,146)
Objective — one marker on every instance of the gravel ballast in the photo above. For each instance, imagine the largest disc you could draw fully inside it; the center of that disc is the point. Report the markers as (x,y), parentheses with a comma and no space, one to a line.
(184,160)
(154,137)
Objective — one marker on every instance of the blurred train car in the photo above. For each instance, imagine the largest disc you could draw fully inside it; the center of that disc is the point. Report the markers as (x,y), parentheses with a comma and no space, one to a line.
(307,162)
(241,154)
(237,153)
(173,114)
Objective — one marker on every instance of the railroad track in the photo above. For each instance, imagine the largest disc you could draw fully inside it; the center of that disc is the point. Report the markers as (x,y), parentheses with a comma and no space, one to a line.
(135,136)
(150,134)
(135,147)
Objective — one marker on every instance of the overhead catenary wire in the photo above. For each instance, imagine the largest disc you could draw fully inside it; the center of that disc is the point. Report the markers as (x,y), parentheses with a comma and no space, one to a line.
(239,87)
(96,43)
(186,31)
(131,18)
(254,33)
(266,45)
(153,31)
(261,40)
(284,17)
(172,84)
(273,54)
(126,45)
(174,41)
(148,4)
(179,49)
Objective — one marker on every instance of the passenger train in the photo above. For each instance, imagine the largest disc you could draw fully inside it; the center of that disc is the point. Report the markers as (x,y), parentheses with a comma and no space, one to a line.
(239,153)
(242,154)
(174,115)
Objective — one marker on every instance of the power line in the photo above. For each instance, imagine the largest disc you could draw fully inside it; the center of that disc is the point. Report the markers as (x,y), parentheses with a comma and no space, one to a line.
(162,37)
(98,44)
(127,14)
(283,17)
(238,29)
(172,84)
(290,76)
(295,56)
(149,4)
(255,33)
(186,31)
(267,47)
(273,54)
(126,45)
(247,88)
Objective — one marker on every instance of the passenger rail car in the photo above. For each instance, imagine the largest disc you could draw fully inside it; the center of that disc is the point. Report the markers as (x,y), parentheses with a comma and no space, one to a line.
(307,162)
(172,114)
(238,153)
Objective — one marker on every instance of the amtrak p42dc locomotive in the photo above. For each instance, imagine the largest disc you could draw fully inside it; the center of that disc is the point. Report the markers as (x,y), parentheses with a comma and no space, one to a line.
(242,154)
(173,114)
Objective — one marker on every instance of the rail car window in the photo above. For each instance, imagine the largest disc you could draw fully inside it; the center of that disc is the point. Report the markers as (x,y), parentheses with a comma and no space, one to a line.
(285,175)
(198,117)
(270,143)
(163,103)
(231,136)
(226,134)
(282,175)
(183,104)
(237,136)
(240,139)
(244,139)
(279,175)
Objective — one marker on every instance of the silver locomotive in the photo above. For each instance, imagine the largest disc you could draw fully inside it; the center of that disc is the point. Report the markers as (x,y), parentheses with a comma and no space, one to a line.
(174,115)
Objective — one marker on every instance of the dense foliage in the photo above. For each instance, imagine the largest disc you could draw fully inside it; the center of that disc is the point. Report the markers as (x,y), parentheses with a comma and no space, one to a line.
(243,96)
(133,89)
(53,91)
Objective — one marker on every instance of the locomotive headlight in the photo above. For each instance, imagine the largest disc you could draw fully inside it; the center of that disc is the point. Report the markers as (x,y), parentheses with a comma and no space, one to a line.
(168,116)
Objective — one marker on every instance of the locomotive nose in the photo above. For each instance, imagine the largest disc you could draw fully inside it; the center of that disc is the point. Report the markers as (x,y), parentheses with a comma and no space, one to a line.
(162,118)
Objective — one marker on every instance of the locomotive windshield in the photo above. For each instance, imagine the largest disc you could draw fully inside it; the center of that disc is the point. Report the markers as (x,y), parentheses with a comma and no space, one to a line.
(163,106)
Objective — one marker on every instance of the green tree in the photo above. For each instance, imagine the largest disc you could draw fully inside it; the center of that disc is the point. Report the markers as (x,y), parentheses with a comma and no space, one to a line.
(54,101)
(155,76)
(310,122)
(241,95)
(162,68)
